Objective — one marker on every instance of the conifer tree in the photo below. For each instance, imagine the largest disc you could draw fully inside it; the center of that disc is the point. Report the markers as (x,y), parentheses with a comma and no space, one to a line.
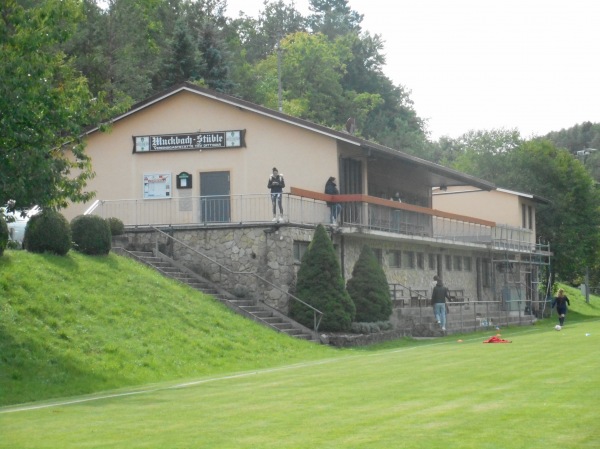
(321,285)
(369,289)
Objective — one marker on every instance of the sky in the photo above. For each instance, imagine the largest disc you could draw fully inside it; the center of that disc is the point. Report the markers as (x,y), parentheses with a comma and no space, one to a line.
(530,65)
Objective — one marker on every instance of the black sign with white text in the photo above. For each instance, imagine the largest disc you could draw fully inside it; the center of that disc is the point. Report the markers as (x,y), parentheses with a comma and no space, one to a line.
(193,141)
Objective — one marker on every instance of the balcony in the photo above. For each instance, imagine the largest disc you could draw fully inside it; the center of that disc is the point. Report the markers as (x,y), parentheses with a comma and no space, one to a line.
(360,214)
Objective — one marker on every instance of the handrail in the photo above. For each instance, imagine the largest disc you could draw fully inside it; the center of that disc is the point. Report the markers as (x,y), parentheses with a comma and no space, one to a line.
(92,208)
(362,198)
(316,312)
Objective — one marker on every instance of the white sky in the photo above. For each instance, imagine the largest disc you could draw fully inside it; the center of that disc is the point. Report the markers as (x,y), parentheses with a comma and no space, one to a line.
(480,64)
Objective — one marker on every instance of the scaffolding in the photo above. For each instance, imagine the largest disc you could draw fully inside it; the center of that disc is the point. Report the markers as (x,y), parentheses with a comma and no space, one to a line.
(521,272)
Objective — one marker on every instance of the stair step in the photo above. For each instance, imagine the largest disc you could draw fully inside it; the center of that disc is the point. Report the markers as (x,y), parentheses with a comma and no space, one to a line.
(242,302)
(248,305)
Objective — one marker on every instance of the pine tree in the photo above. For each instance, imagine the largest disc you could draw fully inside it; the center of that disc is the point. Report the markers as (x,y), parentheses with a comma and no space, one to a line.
(321,285)
(369,289)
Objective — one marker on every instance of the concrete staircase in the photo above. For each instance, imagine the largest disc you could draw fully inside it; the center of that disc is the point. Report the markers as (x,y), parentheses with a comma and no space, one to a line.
(255,310)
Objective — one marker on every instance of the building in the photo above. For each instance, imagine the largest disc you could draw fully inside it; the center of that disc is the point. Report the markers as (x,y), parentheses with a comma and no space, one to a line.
(517,259)
(195,163)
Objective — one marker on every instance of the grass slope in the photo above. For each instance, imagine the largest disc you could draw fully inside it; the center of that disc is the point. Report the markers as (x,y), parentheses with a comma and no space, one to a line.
(79,324)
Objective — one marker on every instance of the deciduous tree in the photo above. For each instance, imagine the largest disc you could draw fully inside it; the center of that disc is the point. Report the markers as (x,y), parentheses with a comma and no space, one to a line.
(44,106)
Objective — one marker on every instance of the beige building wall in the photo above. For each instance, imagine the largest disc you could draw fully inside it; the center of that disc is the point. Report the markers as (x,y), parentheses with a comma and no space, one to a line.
(305,158)
(496,205)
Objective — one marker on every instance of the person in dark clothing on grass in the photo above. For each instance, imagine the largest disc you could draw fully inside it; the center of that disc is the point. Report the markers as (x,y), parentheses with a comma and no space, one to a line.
(560,302)
(438,301)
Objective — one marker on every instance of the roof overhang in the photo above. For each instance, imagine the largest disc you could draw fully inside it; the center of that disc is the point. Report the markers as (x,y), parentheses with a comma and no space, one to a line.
(435,175)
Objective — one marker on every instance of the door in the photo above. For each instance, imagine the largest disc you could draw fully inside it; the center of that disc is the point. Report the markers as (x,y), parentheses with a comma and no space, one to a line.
(214,197)
(351,182)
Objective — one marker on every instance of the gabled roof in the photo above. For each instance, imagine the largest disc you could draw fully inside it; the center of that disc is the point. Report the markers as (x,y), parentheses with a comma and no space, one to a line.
(536,198)
(438,175)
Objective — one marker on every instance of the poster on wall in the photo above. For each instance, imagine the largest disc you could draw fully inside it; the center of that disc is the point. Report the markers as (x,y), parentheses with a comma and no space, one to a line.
(157,185)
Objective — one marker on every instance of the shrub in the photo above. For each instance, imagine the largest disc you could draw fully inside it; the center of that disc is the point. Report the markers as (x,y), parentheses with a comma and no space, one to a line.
(3,235)
(91,235)
(371,328)
(321,285)
(48,231)
(369,289)
(116,226)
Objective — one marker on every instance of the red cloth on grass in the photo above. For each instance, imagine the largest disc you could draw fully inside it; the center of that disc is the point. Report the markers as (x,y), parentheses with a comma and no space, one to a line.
(497,340)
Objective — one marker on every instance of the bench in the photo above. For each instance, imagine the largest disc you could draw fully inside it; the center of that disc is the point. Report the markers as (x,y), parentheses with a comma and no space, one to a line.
(457,295)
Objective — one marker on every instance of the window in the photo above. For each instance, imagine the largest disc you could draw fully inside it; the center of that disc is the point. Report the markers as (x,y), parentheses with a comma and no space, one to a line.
(395,259)
(409,259)
(457,263)
(378,255)
(299,249)
(524,215)
(420,261)
(486,273)
(432,260)
(467,263)
(530,210)
(448,262)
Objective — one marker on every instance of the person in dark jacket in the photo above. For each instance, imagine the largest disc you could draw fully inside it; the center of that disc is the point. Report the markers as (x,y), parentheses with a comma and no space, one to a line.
(438,301)
(560,302)
(334,208)
(276,184)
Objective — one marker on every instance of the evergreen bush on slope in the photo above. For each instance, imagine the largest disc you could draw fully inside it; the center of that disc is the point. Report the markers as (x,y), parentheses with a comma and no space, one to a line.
(369,289)
(321,285)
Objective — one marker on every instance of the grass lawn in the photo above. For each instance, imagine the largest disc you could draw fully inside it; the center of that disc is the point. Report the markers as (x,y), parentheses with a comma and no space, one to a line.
(540,391)
(101,352)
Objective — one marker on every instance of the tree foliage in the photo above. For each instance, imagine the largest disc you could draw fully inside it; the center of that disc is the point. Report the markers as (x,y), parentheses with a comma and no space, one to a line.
(578,137)
(48,231)
(570,222)
(328,68)
(369,289)
(44,106)
(3,234)
(91,235)
(321,285)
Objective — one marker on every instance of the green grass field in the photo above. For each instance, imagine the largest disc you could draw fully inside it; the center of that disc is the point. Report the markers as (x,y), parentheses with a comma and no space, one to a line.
(540,391)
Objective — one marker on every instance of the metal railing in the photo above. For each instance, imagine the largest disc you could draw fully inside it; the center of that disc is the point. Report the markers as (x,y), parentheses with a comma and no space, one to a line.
(467,316)
(257,208)
(317,314)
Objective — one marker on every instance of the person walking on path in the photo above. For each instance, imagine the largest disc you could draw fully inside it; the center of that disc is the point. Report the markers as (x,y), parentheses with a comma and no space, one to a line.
(276,184)
(560,302)
(334,208)
(438,301)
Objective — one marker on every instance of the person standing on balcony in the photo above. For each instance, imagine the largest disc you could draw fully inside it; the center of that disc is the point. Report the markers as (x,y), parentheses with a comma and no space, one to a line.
(334,208)
(276,184)
(438,300)
(560,302)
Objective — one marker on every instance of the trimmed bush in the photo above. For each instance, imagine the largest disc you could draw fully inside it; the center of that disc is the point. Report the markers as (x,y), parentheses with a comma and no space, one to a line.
(369,289)
(116,226)
(321,285)
(371,328)
(3,234)
(91,235)
(48,231)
